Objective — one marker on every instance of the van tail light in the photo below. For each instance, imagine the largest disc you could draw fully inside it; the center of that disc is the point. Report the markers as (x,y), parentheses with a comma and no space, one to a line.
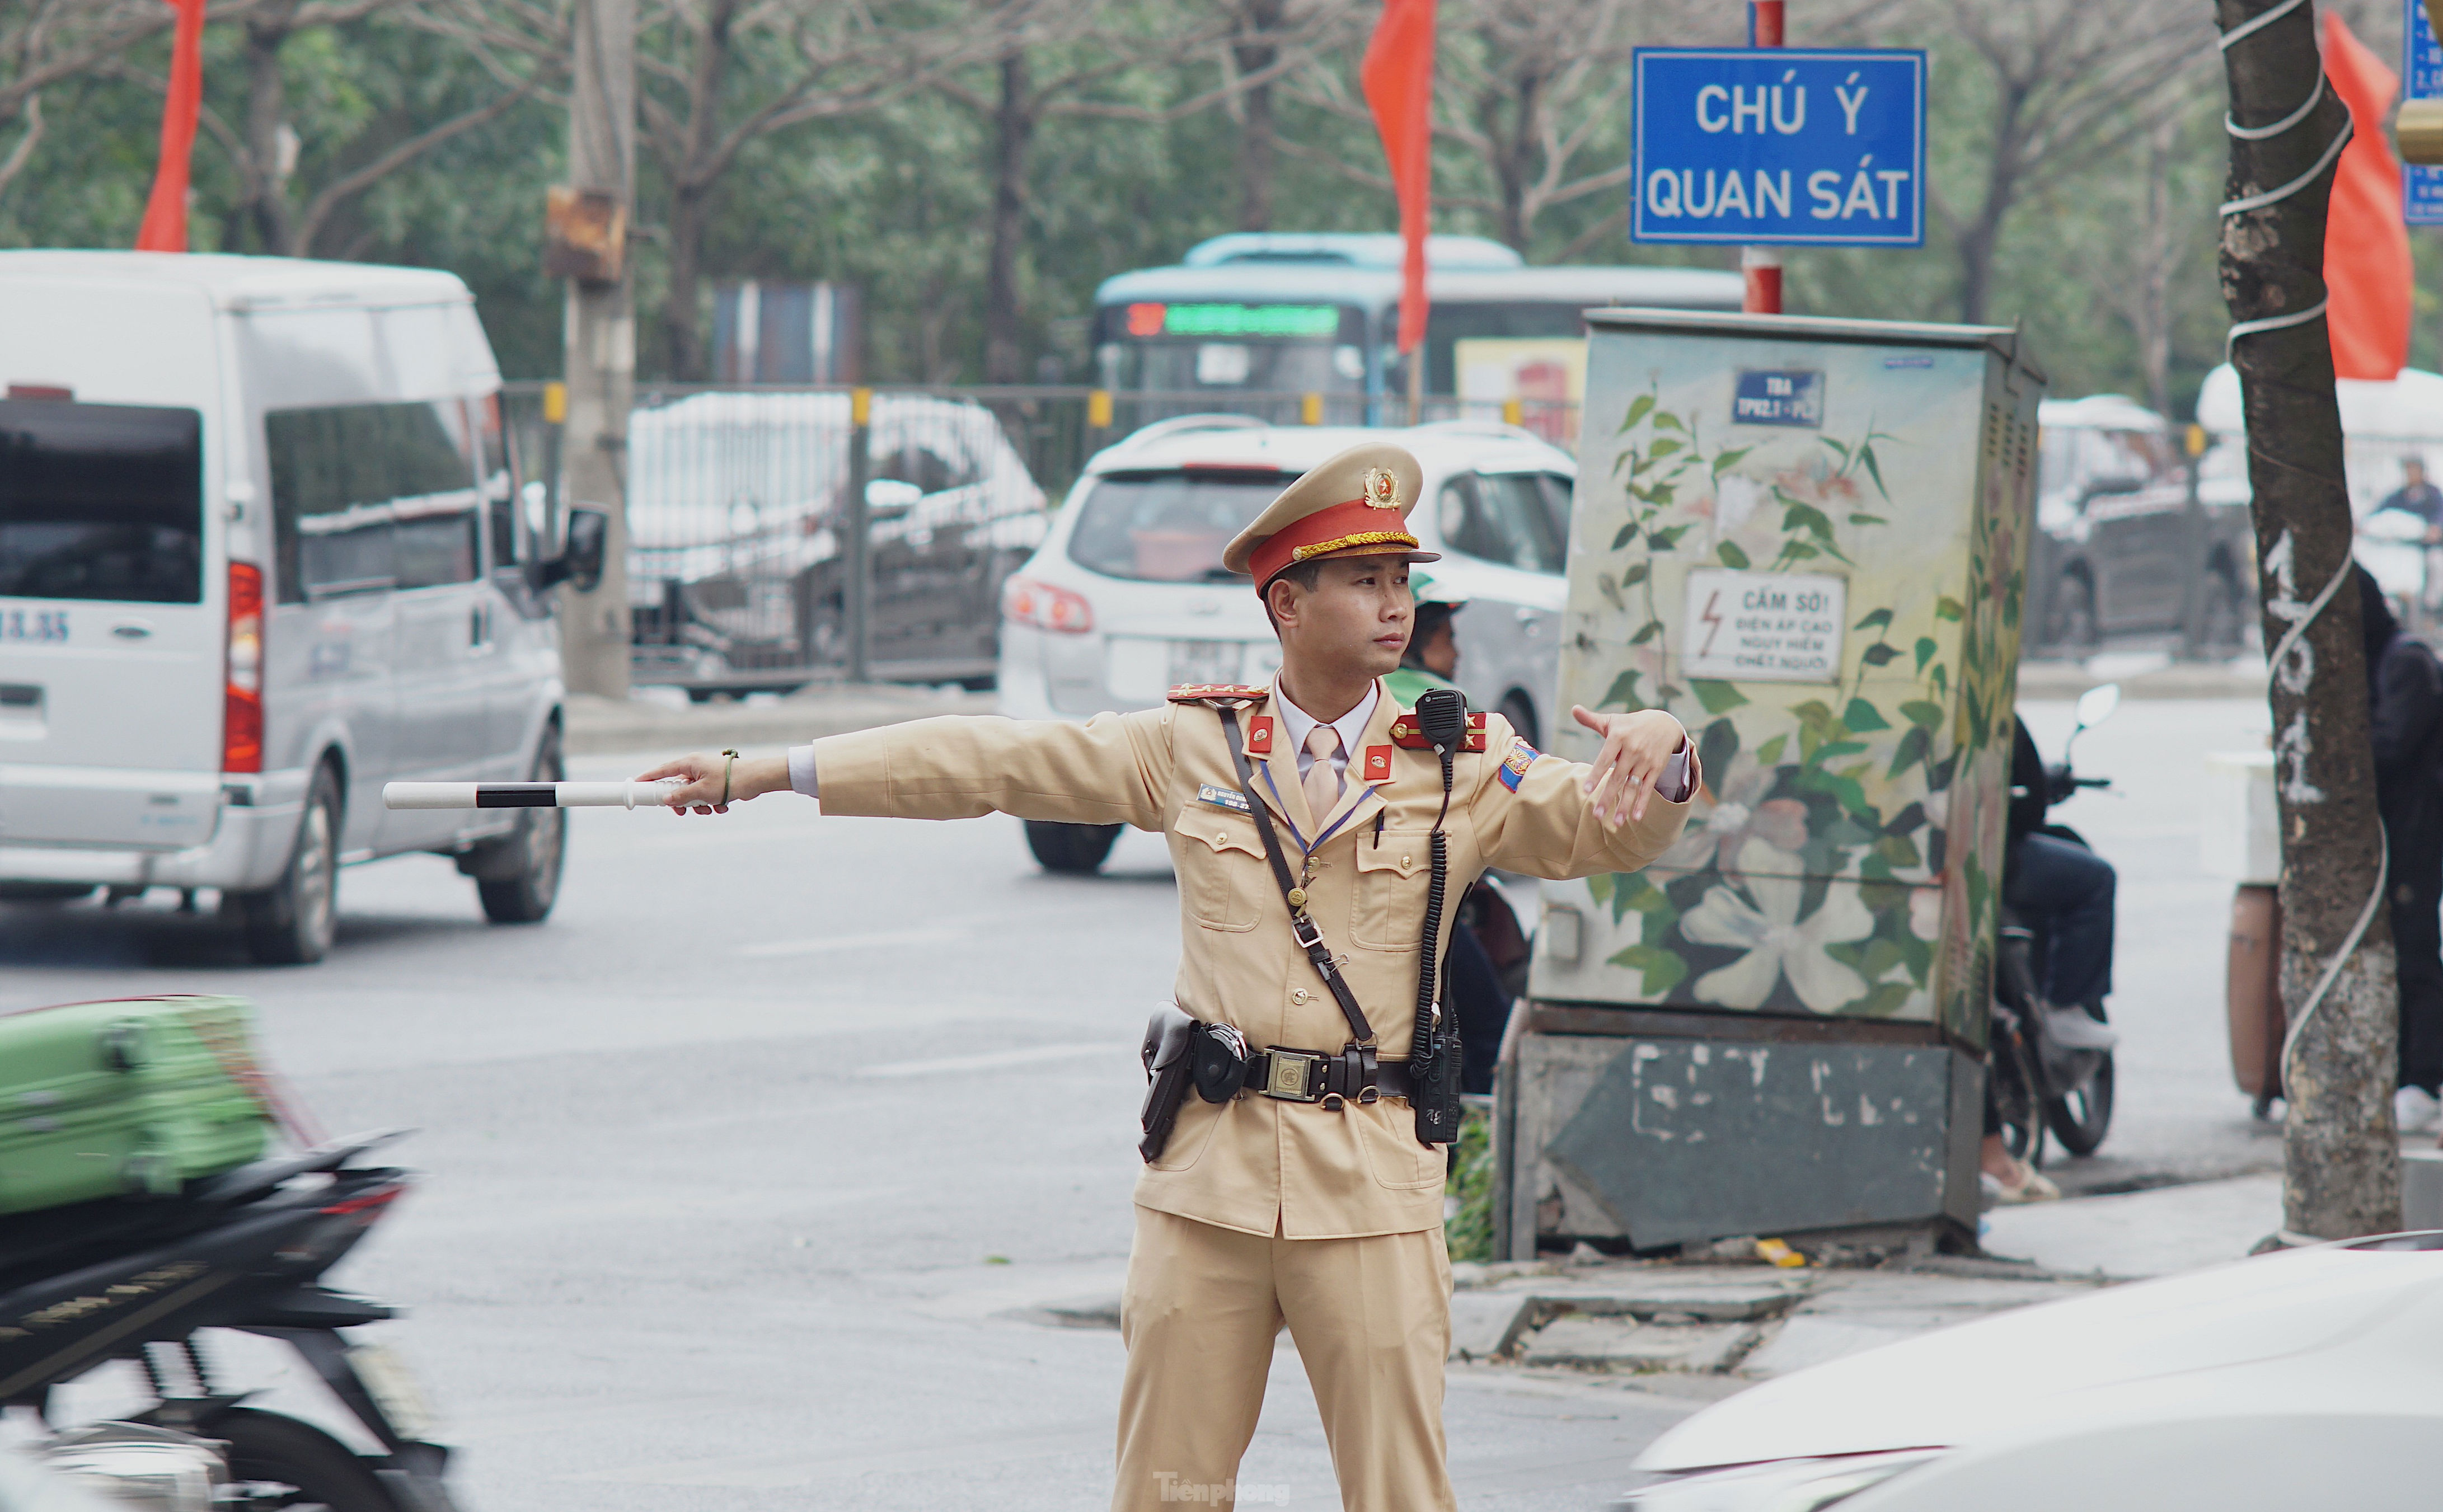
(242,704)
(1046,608)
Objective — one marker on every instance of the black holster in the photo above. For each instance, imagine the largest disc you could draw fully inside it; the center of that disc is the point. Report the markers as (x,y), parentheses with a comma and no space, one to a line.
(1168,1036)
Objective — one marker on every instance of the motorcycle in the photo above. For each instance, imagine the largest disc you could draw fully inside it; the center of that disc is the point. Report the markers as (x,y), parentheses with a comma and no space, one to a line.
(2051,1064)
(139,1281)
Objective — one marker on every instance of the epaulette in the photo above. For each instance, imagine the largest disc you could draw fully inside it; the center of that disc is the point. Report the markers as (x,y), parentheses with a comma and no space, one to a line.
(1216,693)
(1406,734)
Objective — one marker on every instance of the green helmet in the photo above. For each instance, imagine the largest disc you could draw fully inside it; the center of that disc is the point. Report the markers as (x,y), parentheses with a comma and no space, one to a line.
(1426,589)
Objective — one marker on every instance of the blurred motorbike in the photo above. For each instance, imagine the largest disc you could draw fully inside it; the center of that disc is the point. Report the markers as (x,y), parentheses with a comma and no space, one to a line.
(2052,1064)
(139,1281)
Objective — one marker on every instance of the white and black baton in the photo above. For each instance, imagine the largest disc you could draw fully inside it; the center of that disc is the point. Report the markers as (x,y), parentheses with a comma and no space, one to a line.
(531,794)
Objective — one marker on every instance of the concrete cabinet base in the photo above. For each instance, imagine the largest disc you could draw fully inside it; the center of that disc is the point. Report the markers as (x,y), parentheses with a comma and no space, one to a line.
(1666,1128)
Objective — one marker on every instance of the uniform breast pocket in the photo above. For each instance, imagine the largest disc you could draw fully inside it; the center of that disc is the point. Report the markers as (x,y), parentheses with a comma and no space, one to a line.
(1223,873)
(1390,908)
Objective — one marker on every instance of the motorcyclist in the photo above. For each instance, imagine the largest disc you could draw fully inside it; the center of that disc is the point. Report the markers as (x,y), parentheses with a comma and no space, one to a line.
(2058,888)
(1481,995)
(2064,892)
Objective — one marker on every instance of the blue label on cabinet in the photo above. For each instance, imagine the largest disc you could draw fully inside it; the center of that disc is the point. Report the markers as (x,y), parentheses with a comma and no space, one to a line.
(1779,397)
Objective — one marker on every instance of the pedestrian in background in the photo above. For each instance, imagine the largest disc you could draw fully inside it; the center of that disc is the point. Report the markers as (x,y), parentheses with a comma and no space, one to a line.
(2405,719)
(2415,496)
(1308,1198)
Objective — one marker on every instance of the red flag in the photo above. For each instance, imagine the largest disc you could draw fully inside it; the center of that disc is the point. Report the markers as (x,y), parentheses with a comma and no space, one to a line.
(165,212)
(2366,244)
(1398,78)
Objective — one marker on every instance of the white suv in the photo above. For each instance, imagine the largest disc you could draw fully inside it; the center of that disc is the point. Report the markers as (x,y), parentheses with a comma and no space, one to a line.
(1126,598)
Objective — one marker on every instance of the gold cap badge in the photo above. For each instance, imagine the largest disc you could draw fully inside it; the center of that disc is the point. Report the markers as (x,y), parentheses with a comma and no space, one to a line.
(1382,489)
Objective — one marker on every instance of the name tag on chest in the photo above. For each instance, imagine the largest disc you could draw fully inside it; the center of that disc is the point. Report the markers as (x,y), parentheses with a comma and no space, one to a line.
(1230,798)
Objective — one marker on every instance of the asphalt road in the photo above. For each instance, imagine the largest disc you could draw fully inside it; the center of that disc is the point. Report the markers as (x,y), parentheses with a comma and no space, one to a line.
(745,1172)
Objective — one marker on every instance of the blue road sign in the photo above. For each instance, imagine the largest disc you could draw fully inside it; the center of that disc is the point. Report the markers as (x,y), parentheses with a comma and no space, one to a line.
(1780,146)
(2421,77)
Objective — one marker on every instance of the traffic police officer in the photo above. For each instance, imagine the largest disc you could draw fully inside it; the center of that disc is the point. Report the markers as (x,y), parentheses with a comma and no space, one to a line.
(1280,1206)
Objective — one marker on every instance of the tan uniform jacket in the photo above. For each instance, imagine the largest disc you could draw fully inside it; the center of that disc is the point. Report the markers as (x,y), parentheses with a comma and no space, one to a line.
(1257,1164)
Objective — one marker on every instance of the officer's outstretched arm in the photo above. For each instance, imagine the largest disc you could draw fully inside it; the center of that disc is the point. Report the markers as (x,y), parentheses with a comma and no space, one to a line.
(1113,770)
(1534,813)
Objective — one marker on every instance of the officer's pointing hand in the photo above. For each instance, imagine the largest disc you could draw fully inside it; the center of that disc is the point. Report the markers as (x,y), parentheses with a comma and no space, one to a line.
(709,776)
(1637,749)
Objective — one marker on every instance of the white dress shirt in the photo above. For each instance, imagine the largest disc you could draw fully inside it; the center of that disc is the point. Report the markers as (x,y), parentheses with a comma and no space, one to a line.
(1298,725)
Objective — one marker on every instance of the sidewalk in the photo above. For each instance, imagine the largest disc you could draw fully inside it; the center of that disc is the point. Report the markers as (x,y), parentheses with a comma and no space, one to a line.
(602,726)
(1707,1330)
(2144,675)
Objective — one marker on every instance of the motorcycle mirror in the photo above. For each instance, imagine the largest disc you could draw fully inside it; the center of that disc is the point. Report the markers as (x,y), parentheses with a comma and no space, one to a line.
(2095,704)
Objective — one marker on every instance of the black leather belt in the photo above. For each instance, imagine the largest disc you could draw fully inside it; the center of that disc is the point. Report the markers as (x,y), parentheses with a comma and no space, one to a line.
(1313,1076)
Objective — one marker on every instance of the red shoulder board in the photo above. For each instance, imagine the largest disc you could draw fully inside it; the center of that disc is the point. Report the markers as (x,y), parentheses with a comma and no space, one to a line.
(1216,693)
(1406,734)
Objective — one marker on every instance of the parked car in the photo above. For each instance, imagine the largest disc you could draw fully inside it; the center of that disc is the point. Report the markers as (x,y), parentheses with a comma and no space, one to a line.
(259,554)
(2119,547)
(2300,1379)
(1128,596)
(738,563)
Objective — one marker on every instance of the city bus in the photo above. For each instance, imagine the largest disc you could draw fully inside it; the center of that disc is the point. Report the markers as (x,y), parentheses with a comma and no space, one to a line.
(1255,321)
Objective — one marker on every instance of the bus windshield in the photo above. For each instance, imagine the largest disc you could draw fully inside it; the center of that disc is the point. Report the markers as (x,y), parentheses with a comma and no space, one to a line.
(1166,346)
(1286,324)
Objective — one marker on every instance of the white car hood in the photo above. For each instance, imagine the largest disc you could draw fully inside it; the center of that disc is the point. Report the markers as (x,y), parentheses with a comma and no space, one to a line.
(2182,1346)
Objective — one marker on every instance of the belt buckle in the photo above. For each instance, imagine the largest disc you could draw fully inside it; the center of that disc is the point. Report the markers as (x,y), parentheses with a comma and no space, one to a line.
(1289,1074)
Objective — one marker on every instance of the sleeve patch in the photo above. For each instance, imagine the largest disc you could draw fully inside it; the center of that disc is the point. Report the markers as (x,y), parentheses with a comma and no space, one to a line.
(1514,766)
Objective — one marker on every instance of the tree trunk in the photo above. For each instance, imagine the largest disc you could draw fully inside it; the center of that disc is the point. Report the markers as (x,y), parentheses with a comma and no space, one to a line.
(1257,151)
(2341,1156)
(1976,243)
(695,176)
(682,299)
(1506,120)
(267,106)
(2161,253)
(1013,129)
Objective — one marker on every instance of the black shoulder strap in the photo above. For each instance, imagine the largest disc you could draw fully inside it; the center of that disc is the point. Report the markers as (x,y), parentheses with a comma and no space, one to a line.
(1302,927)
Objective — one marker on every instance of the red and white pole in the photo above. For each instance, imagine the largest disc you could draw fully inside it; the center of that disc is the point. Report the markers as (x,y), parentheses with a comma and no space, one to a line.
(1761,265)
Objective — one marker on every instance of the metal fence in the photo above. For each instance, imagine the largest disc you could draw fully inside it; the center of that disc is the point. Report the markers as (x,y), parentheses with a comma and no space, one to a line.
(744,514)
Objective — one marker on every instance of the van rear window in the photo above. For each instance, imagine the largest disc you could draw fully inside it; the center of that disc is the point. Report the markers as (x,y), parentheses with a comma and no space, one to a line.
(101,501)
(366,497)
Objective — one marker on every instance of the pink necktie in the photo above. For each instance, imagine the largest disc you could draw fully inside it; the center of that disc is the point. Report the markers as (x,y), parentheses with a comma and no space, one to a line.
(1322,783)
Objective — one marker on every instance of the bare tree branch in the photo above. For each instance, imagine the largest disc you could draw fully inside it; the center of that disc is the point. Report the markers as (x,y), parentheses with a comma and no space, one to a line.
(340,191)
(23,153)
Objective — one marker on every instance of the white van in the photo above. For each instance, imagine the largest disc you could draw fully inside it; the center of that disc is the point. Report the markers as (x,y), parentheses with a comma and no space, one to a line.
(260,551)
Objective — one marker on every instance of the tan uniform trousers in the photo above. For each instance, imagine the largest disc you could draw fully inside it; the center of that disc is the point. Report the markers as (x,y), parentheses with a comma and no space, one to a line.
(1203,1306)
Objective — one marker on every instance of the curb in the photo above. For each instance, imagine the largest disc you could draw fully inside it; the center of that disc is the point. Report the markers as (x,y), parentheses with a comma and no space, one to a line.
(2176,680)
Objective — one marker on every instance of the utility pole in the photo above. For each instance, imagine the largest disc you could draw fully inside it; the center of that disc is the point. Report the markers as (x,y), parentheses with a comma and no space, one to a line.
(589,247)
(1761,266)
(2340,1150)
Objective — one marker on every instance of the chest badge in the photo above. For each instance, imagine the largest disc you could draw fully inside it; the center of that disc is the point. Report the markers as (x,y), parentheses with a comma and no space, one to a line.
(1229,799)
(1259,735)
(1378,763)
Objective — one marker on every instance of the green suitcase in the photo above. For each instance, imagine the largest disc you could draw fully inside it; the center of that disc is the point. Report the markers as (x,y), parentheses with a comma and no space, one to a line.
(139,1095)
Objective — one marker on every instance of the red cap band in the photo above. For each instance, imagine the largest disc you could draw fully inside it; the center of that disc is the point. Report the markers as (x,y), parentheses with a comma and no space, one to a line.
(1345,526)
